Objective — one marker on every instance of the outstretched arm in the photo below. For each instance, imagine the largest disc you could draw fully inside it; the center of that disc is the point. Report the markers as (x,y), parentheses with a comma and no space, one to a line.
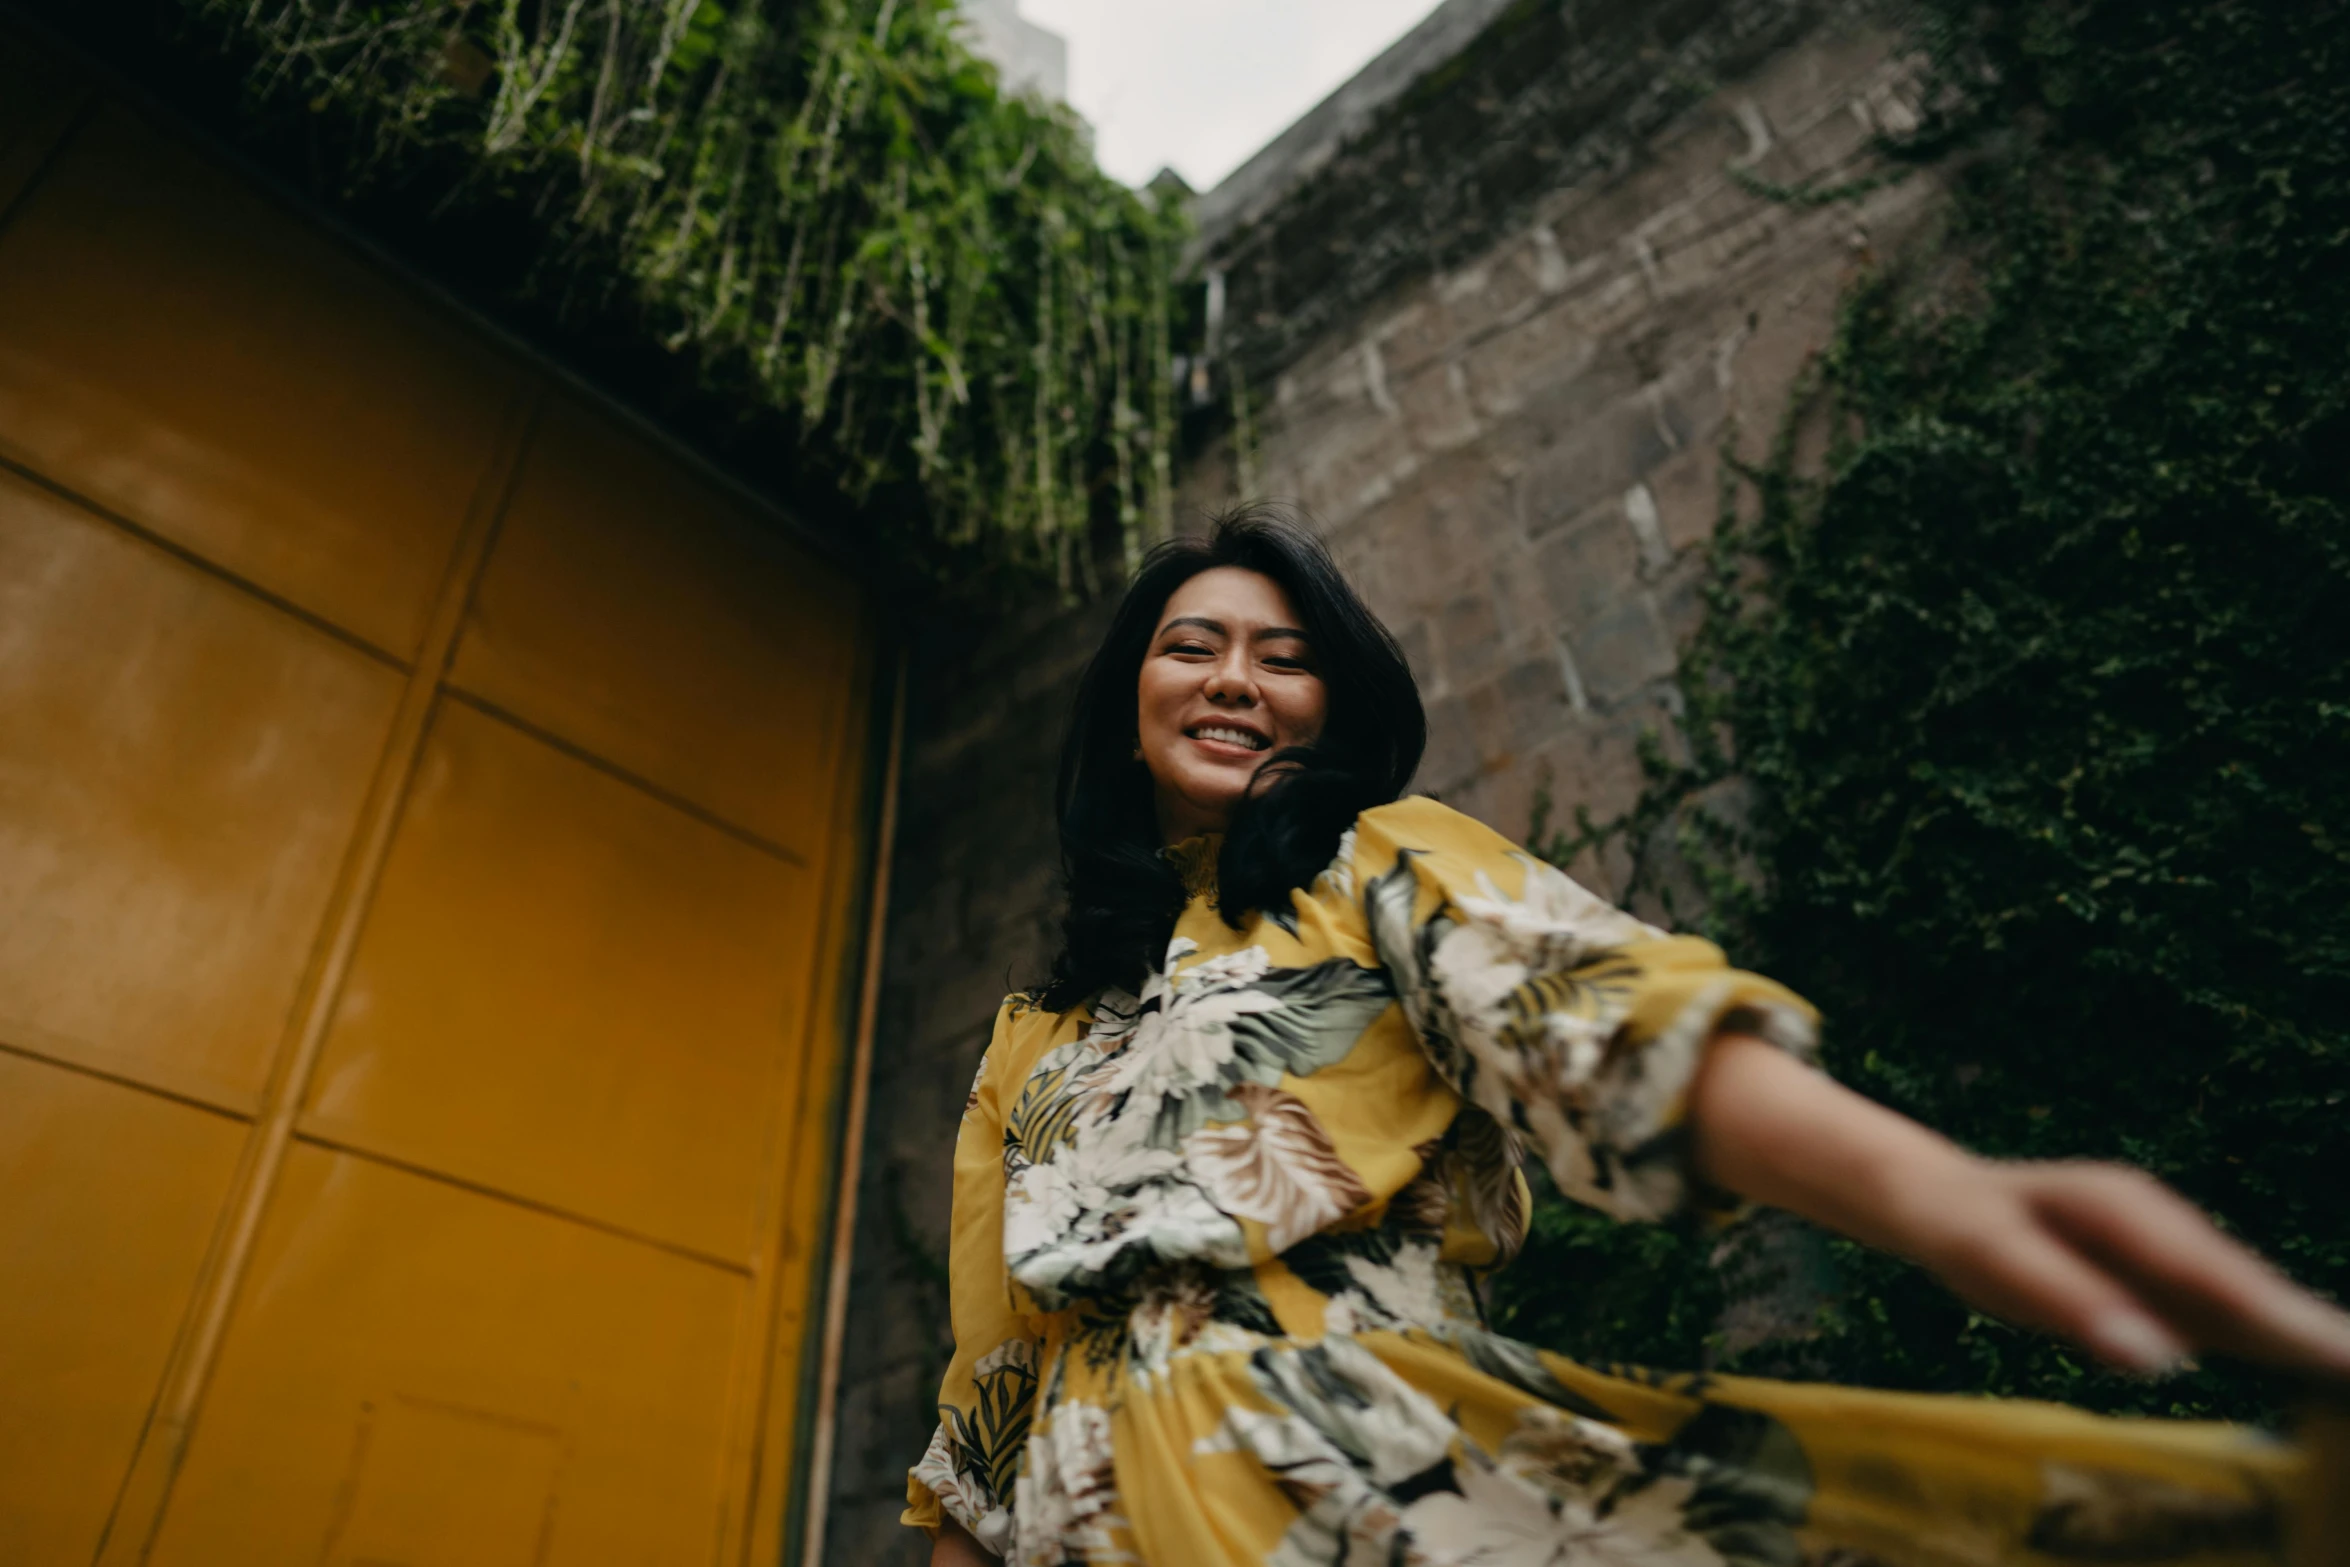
(2102,1254)
(954,1547)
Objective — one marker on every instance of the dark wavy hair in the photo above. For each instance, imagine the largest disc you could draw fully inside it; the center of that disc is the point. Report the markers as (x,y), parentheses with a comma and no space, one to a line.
(1123,892)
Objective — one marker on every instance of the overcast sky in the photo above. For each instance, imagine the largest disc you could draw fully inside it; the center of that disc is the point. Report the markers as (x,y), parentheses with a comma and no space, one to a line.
(1201,84)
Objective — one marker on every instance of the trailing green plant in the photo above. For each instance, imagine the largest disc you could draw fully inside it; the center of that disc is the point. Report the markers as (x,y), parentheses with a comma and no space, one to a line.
(1609,1293)
(2040,682)
(830,205)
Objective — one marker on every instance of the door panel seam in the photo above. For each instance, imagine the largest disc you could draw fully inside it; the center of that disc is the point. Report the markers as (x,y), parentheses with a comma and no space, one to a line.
(145,1496)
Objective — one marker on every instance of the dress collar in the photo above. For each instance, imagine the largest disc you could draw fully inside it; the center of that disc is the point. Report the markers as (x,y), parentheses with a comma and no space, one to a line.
(1195,861)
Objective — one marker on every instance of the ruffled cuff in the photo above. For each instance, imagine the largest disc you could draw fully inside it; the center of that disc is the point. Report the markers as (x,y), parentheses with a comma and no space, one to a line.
(938,1488)
(1630,1154)
(1569,1021)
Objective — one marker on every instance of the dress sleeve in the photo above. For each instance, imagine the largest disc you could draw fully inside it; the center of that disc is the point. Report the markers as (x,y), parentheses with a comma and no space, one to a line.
(989,1391)
(1560,1015)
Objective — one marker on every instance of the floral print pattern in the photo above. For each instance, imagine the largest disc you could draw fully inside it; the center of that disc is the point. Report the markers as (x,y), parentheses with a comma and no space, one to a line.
(1276,1167)
(1151,1136)
(1216,1248)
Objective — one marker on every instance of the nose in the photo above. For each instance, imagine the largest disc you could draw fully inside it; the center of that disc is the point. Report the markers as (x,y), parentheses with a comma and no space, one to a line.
(1231,679)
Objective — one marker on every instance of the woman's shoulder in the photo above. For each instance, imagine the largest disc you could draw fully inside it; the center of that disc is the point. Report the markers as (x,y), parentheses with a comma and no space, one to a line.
(1426,844)
(1423,823)
(1025,1027)
(1024,1016)
(1433,854)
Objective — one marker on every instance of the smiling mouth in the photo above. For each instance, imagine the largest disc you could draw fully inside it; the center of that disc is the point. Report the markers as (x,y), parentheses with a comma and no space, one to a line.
(1225,734)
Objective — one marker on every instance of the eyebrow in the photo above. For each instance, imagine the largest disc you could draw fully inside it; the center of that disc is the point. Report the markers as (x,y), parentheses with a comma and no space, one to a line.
(1219,628)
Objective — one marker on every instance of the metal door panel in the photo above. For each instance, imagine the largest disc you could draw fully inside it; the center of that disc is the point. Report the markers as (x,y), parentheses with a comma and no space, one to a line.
(532,973)
(184,353)
(111,1193)
(37,100)
(425,1375)
(631,611)
(571,990)
(181,767)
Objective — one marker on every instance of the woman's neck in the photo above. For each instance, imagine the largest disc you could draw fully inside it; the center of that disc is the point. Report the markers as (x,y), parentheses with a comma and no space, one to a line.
(1180,821)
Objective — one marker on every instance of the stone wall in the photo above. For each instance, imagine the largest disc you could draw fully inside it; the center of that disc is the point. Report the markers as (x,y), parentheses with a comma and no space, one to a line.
(1517,456)
(972,916)
(1519,459)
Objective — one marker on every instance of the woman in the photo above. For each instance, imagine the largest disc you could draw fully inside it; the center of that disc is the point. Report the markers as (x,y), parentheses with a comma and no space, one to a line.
(1225,1185)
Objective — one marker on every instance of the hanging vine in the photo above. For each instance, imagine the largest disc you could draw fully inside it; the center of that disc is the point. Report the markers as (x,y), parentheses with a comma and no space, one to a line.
(831,204)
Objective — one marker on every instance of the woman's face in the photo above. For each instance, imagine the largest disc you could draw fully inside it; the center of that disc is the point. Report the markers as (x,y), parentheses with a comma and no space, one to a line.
(1228,680)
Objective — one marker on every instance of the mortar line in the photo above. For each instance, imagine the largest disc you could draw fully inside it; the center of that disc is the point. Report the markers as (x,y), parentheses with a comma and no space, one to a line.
(1319,401)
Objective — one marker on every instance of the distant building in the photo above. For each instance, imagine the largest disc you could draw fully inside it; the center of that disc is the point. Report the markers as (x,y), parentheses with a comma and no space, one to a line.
(1033,59)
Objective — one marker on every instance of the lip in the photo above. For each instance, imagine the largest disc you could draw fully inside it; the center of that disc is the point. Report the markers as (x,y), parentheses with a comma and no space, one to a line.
(1225,748)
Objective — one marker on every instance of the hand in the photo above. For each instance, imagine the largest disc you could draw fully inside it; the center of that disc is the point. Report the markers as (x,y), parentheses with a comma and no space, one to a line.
(2110,1257)
(2103,1254)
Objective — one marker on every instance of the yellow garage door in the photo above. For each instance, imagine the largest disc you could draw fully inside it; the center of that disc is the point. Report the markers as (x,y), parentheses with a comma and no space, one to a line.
(427,812)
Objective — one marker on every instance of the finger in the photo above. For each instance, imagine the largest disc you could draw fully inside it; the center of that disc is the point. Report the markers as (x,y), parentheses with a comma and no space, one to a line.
(2217,1292)
(2028,1276)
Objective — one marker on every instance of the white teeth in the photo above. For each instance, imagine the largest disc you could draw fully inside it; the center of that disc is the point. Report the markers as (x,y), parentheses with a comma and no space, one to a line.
(1230,736)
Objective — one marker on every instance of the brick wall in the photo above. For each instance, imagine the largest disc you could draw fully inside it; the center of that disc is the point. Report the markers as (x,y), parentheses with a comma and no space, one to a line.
(1518,458)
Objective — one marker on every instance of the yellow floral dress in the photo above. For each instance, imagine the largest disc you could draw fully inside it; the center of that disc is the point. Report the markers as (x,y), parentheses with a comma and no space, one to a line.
(1216,1251)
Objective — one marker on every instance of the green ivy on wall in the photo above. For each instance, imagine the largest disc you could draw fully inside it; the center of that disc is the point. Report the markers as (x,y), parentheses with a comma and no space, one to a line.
(2043,697)
(830,205)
